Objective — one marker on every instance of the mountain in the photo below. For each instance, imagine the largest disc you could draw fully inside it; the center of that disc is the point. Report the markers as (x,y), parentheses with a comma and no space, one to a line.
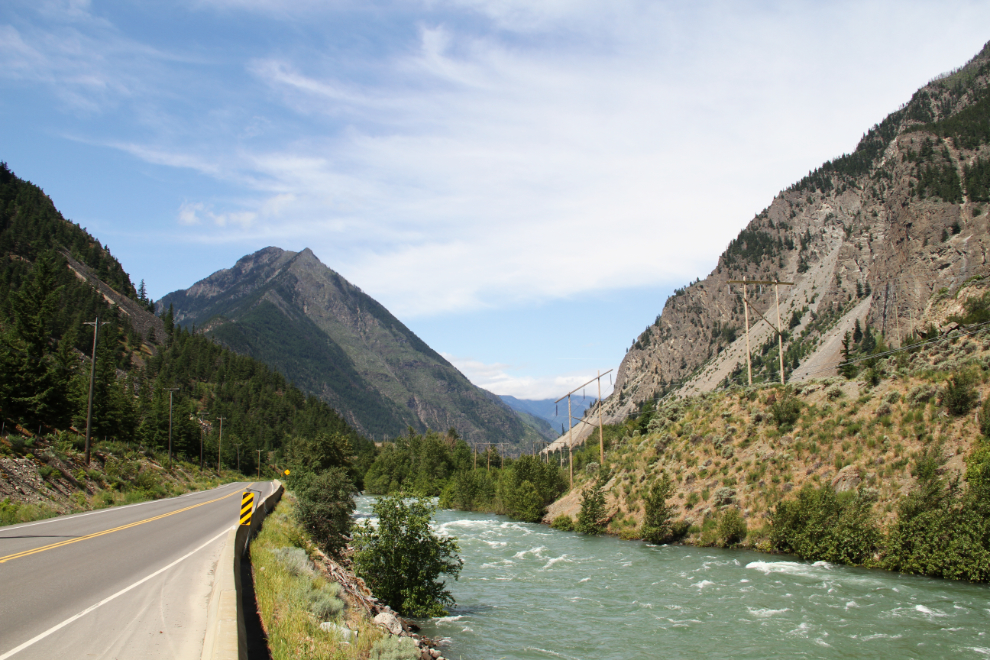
(56,278)
(872,239)
(554,414)
(328,337)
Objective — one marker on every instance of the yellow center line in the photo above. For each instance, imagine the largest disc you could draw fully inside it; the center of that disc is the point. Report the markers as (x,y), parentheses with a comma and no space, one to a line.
(25,553)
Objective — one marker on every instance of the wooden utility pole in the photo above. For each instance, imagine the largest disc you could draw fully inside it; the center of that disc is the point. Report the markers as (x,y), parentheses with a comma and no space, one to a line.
(92,379)
(570,424)
(780,333)
(219,445)
(601,434)
(259,465)
(170,391)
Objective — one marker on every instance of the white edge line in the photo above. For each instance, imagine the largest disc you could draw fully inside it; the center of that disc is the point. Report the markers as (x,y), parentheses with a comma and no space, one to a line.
(106,600)
(73,516)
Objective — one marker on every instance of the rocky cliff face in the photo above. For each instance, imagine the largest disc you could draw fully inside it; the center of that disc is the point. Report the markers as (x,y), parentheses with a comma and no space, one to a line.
(879,236)
(289,310)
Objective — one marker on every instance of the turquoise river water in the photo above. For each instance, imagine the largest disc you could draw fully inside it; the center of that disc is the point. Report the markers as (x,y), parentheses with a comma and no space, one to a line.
(530,592)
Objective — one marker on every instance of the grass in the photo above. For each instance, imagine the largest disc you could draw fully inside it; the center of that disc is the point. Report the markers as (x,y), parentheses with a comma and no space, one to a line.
(285,598)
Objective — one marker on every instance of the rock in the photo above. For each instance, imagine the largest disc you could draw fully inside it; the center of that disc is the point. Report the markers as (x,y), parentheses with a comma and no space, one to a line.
(788,487)
(345,633)
(389,622)
(848,478)
(724,496)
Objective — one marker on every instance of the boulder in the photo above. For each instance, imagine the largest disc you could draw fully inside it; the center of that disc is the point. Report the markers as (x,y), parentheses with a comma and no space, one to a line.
(725,496)
(389,622)
(848,478)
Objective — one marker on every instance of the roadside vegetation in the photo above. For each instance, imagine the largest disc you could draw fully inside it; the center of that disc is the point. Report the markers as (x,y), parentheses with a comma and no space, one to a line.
(294,597)
(52,469)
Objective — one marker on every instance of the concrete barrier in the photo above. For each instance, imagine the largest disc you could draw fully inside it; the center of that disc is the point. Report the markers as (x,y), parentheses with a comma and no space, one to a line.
(226,635)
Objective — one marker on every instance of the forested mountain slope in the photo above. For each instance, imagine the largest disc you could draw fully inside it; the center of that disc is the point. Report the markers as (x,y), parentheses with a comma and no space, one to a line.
(331,339)
(55,278)
(871,239)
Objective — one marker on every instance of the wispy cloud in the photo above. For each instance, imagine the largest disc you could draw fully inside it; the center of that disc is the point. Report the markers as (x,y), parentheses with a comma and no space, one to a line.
(481,154)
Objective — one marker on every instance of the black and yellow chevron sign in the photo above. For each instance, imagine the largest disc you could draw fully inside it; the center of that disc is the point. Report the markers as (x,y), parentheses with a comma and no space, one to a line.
(247,507)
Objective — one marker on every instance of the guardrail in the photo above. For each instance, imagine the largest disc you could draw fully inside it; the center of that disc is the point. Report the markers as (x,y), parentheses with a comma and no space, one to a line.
(226,635)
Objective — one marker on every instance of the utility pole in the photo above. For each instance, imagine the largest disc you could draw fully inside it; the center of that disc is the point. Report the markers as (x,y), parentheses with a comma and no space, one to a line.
(570,424)
(170,390)
(92,379)
(201,443)
(237,447)
(780,334)
(259,465)
(219,445)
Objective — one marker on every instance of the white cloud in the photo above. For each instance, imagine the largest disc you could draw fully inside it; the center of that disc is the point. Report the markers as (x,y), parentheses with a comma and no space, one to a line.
(501,151)
(505,379)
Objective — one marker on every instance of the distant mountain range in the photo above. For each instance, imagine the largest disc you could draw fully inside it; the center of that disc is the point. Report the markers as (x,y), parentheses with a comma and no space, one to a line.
(554,414)
(290,311)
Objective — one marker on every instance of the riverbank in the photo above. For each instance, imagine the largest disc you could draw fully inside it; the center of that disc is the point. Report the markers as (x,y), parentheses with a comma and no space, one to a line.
(853,446)
(312,606)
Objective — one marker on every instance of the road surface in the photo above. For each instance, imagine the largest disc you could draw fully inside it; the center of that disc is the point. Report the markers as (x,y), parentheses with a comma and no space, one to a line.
(125,582)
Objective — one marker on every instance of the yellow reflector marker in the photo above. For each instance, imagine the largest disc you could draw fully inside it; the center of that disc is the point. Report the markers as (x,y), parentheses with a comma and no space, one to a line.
(247,507)
(286,473)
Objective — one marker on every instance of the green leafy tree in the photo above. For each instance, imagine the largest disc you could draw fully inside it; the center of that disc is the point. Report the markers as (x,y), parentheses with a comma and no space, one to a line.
(592,518)
(326,502)
(402,559)
(657,514)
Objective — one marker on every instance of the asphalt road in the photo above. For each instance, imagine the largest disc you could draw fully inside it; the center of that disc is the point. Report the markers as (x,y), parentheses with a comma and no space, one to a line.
(126,582)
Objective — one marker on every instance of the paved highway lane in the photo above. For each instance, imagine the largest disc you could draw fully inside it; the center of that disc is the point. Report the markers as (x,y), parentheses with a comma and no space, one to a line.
(127,582)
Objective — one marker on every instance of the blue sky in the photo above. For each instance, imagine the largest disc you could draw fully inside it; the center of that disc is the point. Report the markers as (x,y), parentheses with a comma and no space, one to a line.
(522,183)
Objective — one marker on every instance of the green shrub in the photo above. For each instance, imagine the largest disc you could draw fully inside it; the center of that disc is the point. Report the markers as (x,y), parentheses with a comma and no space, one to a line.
(592,518)
(326,502)
(786,412)
(394,648)
(821,524)
(942,531)
(563,522)
(959,395)
(402,559)
(731,528)
(657,513)
(325,603)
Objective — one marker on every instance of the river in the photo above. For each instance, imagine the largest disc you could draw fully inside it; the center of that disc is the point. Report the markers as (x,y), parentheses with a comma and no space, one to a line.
(530,592)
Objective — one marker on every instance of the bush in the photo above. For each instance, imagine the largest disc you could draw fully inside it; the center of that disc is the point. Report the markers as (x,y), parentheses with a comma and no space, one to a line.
(394,648)
(731,528)
(824,525)
(326,502)
(563,522)
(940,530)
(984,418)
(592,519)
(295,561)
(786,412)
(402,559)
(325,603)
(959,395)
(657,513)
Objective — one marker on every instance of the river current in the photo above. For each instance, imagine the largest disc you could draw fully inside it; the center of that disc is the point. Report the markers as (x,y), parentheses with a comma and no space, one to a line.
(530,592)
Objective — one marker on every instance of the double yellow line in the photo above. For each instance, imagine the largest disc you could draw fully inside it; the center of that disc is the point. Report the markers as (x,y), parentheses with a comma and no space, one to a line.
(26,553)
